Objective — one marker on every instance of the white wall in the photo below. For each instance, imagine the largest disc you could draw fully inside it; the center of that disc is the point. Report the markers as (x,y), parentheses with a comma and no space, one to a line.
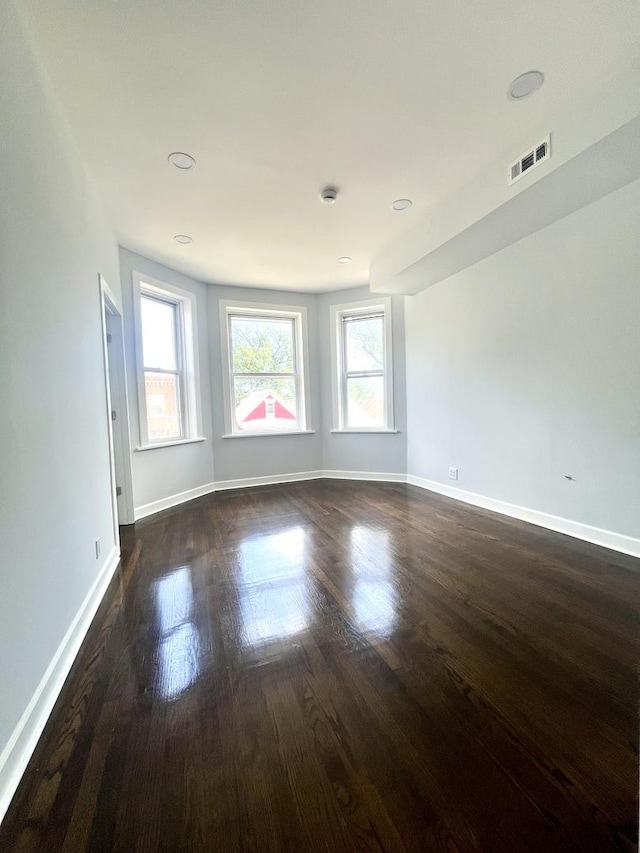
(238,458)
(526,367)
(162,473)
(361,452)
(166,471)
(55,498)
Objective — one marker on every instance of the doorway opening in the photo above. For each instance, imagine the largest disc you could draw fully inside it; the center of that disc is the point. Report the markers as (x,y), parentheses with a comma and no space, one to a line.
(117,409)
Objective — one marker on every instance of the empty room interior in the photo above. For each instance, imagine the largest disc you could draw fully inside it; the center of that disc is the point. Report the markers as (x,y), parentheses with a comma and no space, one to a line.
(320,418)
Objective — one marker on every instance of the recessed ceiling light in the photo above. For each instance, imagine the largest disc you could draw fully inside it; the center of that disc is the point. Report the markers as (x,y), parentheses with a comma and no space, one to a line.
(184,239)
(344,260)
(182,161)
(525,85)
(402,204)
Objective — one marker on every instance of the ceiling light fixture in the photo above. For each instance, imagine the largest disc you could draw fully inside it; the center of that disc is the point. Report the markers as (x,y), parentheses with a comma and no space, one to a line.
(526,84)
(183,239)
(402,204)
(344,260)
(182,161)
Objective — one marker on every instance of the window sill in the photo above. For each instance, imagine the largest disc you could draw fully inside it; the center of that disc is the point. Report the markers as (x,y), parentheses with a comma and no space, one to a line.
(366,431)
(263,434)
(175,443)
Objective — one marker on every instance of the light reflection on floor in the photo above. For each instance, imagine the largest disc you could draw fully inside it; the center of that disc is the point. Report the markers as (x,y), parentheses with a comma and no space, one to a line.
(274,594)
(374,597)
(272,587)
(178,654)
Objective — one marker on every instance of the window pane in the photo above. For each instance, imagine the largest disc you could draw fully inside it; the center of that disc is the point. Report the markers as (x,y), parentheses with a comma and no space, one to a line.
(155,405)
(264,404)
(364,344)
(158,333)
(365,402)
(163,408)
(261,345)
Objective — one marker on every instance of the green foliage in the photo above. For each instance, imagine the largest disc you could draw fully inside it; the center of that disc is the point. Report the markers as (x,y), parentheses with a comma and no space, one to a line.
(365,351)
(365,348)
(260,346)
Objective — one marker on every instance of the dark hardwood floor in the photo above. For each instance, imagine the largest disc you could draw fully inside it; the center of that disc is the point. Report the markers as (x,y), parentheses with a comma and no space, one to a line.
(335,666)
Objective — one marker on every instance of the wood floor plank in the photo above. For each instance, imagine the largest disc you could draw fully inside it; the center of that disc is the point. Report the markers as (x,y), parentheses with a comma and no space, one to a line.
(340,666)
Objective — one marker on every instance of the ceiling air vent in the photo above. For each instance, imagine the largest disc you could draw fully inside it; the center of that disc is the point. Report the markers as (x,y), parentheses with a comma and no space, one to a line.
(528,161)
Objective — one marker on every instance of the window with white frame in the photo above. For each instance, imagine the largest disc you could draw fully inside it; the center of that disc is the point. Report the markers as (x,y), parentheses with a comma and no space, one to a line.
(362,360)
(166,363)
(264,375)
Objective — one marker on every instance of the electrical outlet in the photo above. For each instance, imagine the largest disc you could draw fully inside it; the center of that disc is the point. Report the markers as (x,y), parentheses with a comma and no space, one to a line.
(97,548)
(453,473)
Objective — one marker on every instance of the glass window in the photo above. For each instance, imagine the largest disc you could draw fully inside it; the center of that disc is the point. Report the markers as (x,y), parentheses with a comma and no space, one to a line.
(363,368)
(161,321)
(162,366)
(166,363)
(266,382)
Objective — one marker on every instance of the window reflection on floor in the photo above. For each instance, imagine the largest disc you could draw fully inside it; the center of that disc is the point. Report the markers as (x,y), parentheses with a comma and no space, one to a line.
(272,587)
(374,597)
(178,653)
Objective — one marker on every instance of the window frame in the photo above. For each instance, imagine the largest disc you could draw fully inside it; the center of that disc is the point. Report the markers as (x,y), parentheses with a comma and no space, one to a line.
(186,357)
(298,315)
(339,374)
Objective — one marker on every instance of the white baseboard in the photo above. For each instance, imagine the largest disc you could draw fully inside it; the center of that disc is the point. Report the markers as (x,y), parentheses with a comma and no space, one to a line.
(272,480)
(596,535)
(24,738)
(221,486)
(374,476)
(605,538)
(173,500)
(16,754)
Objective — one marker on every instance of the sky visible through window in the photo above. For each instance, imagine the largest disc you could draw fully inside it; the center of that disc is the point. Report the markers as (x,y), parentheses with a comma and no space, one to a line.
(158,333)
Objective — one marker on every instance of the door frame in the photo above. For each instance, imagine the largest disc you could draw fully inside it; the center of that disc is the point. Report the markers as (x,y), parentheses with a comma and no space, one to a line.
(110,304)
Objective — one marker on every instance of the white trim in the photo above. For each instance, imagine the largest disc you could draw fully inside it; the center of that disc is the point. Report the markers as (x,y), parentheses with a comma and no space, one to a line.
(596,535)
(301,333)
(188,366)
(338,386)
(221,485)
(274,432)
(112,300)
(374,476)
(604,538)
(24,738)
(109,303)
(173,500)
(176,441)
(271,480)
(365,431)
